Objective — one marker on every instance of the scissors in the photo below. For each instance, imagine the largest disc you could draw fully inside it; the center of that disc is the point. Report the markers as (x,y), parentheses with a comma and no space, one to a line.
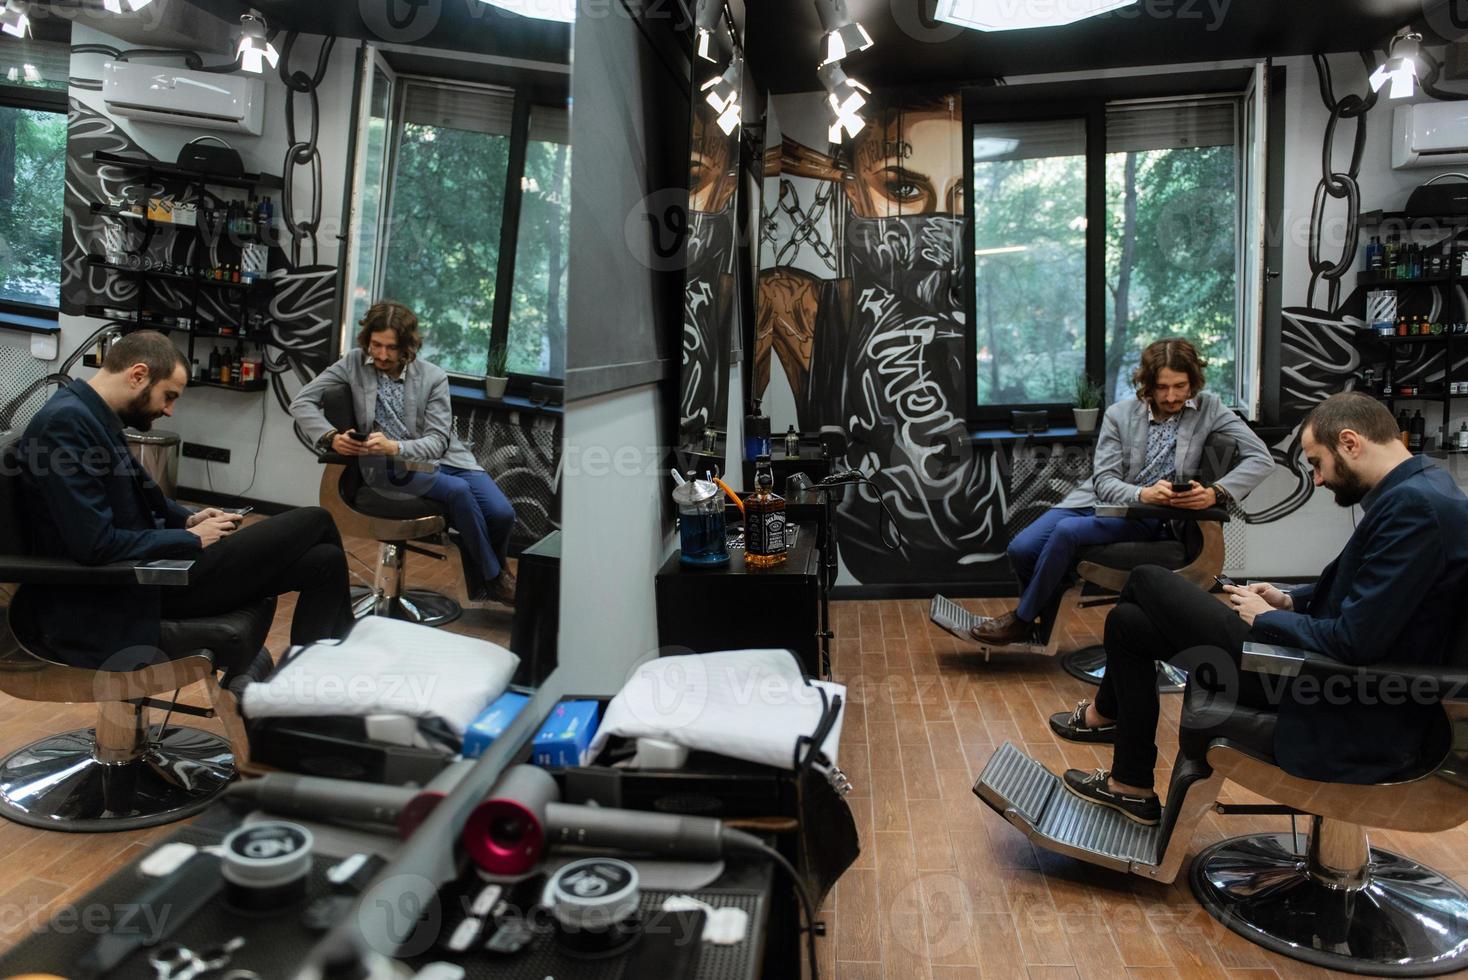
(175,962)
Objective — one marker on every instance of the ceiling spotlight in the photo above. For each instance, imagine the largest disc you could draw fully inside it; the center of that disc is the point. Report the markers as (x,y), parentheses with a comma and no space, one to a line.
(115,6)
(842,34)
(255,48)
(846,96)
(561,11)
(722,93)
(705,23)
(15,19)
(1400,66)
(989,15)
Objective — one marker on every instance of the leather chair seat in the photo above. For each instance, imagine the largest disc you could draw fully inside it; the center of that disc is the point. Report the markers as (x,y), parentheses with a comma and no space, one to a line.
(400,507)
(1127,555)
(234,638)
(1206,717)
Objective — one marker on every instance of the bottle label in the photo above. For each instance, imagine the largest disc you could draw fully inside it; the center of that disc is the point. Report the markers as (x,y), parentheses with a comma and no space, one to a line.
(764,534)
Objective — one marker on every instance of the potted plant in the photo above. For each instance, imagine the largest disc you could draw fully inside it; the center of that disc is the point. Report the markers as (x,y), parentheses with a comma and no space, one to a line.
(494,384)
(1088,397)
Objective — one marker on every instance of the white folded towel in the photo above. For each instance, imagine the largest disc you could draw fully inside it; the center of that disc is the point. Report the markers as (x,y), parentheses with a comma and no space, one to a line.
(387,666)
(745,704)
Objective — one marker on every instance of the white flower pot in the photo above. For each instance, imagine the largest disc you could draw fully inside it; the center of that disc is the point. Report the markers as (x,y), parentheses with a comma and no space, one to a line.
(495,387)
(1086,419)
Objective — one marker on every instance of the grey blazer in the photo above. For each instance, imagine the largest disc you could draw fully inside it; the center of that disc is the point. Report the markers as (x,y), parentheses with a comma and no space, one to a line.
(1121,449)
(426,404)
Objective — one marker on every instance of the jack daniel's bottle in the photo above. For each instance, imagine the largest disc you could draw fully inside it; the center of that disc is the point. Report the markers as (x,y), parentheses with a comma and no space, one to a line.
(764,520)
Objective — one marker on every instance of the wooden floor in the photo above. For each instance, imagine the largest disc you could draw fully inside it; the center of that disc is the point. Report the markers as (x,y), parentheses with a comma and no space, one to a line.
(944,889)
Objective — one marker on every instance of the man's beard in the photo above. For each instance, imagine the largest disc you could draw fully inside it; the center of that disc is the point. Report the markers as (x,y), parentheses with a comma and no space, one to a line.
(136,413)
(1348,487)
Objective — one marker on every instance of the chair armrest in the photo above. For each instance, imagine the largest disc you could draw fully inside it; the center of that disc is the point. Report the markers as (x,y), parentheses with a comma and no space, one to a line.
(59,571)
(1446,683)
(411,465)
(1139,512)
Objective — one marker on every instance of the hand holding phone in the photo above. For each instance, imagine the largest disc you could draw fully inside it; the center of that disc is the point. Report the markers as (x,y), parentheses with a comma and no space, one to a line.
(1182,487)
(1225,581)
(238,511)
(358,436)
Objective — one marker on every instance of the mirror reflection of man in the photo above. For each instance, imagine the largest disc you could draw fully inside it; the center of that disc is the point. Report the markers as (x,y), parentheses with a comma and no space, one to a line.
(89,501)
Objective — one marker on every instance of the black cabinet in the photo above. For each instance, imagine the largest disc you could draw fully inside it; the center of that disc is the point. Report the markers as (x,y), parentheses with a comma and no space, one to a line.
(731,607)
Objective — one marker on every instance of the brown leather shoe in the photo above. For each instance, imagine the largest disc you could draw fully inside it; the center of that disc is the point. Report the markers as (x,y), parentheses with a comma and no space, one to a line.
(1008,628)
(502,589)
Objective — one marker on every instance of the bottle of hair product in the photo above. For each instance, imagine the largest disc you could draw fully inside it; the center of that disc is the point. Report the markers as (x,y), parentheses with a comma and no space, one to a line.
(1417,432)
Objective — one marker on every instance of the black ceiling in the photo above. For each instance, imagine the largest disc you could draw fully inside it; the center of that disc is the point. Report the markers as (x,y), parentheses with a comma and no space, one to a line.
(783,38)
(456,25)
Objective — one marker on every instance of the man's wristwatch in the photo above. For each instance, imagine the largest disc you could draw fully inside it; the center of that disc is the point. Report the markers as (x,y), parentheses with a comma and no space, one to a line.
(323,445)
(1224,497)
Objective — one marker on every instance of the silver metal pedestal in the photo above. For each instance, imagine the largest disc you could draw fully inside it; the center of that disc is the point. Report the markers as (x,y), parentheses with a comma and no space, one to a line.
(1089,664)
(1400,920)
(59,784)
(422,606)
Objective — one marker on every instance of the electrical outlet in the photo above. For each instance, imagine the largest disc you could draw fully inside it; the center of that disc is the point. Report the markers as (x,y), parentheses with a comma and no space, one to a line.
(197,450)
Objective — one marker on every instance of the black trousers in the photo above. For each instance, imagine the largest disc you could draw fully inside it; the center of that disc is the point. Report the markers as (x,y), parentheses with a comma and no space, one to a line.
(1160,615)
(298,551)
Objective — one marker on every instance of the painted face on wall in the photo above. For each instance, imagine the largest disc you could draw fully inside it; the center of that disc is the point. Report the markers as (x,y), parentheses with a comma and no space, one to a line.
(909,162)
(711,170)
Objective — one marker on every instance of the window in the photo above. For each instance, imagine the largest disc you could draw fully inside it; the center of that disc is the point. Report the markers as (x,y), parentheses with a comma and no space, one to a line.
(1168,183)
(32,173)
(1029,259)
(1172,236)
(474,229)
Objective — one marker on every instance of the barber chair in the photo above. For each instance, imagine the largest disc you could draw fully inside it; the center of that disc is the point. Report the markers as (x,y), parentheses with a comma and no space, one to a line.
(398,522)
(1193,549)
(123,773)
(1332,901)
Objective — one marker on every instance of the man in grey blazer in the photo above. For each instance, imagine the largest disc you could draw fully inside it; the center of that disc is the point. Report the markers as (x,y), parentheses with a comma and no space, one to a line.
(1145,446)
(402,409)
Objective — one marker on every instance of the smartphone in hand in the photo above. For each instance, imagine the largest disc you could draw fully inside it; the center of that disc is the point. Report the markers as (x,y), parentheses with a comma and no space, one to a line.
(358,436)
(1182,488)
(238,511)
(1225,580)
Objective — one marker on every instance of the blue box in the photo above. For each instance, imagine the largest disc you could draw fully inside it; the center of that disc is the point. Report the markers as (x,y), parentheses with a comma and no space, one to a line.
(492,722)
(566,735)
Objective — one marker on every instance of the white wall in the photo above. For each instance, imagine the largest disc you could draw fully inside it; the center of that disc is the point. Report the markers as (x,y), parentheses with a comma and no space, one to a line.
(286,472)
(614,539)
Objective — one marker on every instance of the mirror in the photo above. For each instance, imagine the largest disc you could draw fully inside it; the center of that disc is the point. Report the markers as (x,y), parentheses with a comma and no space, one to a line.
(712,252)
(419,154)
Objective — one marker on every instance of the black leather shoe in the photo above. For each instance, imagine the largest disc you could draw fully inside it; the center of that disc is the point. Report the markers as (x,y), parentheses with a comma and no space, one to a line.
(1145,810)
(1072,725)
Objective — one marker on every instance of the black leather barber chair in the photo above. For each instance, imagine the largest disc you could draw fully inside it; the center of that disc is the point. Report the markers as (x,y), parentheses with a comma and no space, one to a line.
(1331,899)
(399,522)
(123,773)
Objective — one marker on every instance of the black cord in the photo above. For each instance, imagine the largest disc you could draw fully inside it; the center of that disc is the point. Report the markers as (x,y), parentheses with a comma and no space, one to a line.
(740,840)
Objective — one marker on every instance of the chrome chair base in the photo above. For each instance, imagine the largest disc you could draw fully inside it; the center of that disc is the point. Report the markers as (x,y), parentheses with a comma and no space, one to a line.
(1405,921)
(422,606)
(57,784)
(1089,664)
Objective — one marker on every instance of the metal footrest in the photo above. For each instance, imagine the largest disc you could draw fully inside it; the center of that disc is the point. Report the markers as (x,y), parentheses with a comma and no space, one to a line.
(1031,797)
(1089,664)
(952,617)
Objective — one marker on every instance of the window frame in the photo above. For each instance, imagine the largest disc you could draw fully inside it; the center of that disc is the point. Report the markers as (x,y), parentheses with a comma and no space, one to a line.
(524,101)
(1093,110)
(43,100)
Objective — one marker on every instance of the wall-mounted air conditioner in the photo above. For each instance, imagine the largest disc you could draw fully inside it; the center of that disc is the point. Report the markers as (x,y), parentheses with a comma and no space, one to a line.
(1433,134)
(197,99)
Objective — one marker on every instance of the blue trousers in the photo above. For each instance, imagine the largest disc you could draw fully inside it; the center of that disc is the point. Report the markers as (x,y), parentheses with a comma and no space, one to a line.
(478,510)
(1043,553)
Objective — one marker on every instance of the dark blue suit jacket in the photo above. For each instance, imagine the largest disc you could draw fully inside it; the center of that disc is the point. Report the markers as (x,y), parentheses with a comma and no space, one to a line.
(1393,594)
(90,501)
